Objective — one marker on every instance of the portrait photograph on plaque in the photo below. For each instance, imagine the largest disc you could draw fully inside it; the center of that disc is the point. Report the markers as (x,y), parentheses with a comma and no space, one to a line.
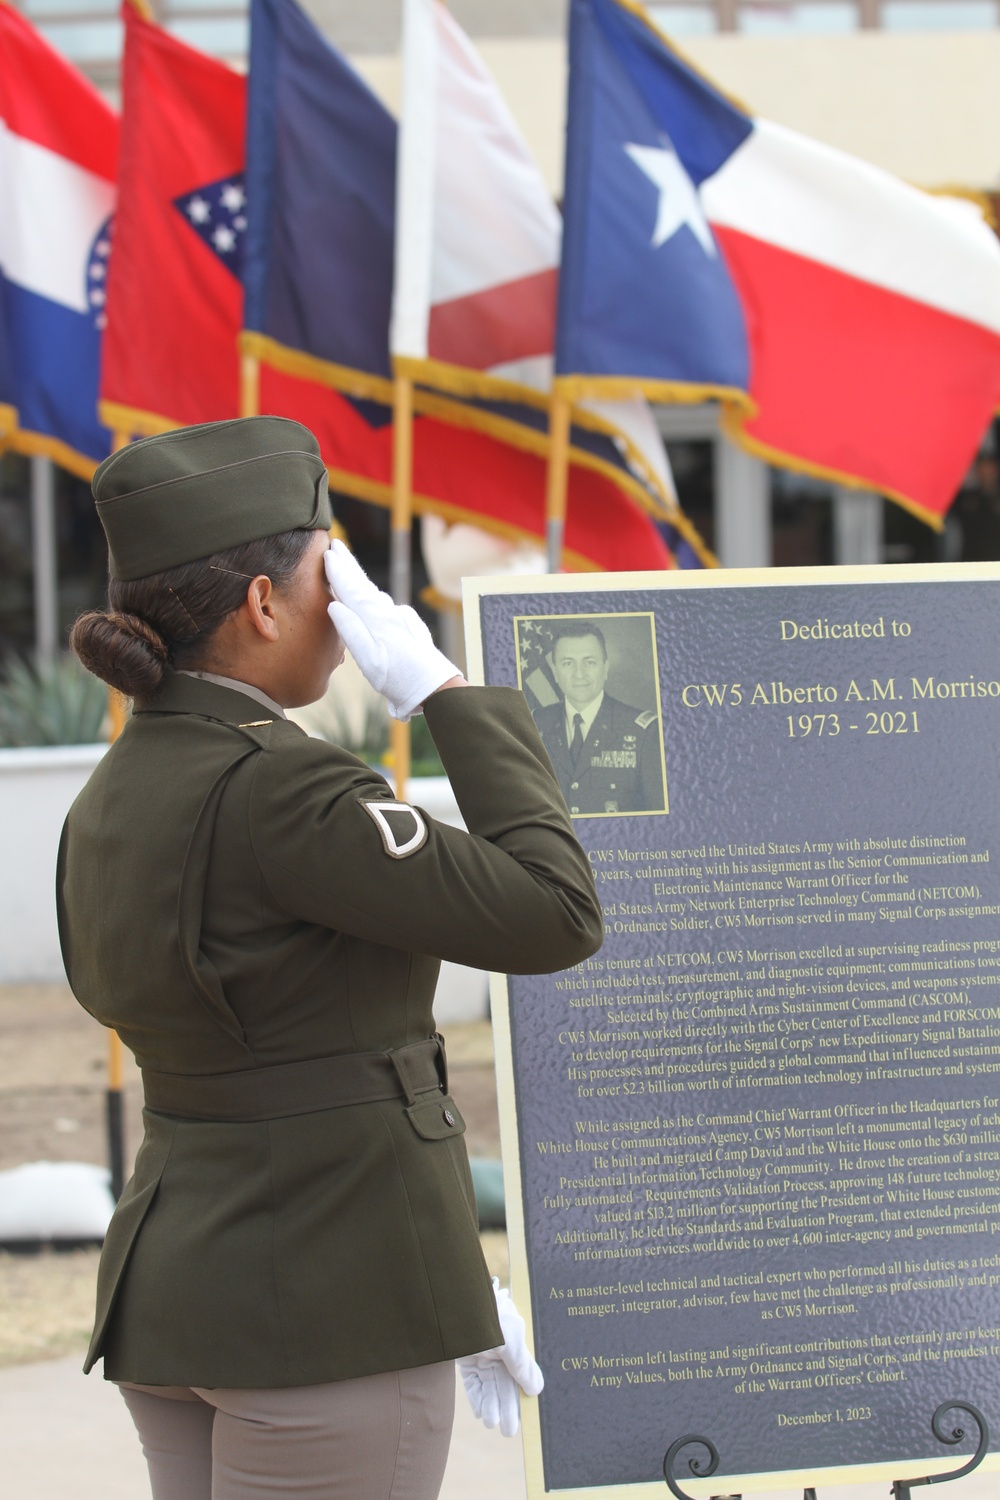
(752,1146)
(592,684)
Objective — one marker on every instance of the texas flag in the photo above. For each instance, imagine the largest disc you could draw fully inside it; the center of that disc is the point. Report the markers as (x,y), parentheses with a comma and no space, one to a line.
(851,322)
(58,167)
(477,269)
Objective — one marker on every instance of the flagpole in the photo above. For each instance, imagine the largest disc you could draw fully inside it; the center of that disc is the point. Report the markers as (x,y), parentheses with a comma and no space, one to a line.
(116,1114)
(114,1111)
(400,545)
(412,258)
(114,1100)
(116,703)
(249,385)
(557,477)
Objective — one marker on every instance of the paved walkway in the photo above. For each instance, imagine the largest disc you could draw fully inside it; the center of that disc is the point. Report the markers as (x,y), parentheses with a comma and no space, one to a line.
(66,1437)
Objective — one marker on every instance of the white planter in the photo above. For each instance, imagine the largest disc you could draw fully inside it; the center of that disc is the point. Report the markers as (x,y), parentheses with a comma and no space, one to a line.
(37,789)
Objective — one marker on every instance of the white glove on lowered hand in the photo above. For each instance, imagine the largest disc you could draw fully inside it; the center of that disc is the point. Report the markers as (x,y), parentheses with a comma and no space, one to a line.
(390,642)
(491,1379)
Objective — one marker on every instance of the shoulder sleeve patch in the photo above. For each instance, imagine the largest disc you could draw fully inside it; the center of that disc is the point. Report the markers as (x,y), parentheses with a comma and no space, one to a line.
(647,717)
(401,828)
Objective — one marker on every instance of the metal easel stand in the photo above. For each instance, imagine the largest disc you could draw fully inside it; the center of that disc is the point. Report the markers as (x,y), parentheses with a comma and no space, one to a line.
(900,1488)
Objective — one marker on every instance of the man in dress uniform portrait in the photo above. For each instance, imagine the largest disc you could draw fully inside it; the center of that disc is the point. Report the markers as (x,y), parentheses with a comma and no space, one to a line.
(606,753)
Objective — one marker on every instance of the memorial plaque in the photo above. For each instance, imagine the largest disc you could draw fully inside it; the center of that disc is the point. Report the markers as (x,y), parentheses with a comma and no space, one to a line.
(752,1147)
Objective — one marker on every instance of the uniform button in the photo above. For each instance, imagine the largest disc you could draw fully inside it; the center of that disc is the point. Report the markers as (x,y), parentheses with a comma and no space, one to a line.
(449,1118)
(574,786)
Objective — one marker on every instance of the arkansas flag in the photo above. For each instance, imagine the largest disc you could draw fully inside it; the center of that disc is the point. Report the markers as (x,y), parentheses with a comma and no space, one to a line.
(58,166)
(321,184)
(477,270)
(851,322)
(175,300)
(175,294)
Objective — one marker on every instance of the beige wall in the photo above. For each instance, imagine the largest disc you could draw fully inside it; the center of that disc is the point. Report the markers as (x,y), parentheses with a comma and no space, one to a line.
(925,106)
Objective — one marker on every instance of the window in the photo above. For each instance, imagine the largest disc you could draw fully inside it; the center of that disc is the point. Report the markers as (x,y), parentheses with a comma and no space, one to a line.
(685,20)
(829,16)
(939,15)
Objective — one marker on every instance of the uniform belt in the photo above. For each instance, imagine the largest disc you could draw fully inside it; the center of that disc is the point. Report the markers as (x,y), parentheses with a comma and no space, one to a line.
(301,1088)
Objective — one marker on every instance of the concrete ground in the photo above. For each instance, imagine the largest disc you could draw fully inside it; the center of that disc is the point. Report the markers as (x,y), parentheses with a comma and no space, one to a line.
(64,1436)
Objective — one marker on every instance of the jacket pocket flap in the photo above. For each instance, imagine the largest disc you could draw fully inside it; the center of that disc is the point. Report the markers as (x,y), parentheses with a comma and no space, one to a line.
(436,1117)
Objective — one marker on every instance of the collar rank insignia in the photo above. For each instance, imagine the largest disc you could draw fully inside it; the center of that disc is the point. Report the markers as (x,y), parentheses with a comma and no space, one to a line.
(401,828)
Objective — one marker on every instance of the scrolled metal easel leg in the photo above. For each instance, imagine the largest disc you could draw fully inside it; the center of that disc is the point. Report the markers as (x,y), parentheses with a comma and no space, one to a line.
(901,1487)
(698,1467)
(700,1470)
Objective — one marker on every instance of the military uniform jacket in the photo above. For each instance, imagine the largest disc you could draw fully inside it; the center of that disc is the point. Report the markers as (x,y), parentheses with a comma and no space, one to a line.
(229,900)
(620,767)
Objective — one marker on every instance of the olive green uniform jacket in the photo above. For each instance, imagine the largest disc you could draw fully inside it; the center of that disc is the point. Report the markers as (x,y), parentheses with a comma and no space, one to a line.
(228,902)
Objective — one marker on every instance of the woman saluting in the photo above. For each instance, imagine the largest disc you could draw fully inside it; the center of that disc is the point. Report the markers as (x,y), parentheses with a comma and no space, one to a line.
(295,1262)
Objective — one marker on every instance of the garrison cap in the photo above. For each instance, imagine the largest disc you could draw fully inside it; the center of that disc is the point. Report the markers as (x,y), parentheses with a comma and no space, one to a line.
(182,495)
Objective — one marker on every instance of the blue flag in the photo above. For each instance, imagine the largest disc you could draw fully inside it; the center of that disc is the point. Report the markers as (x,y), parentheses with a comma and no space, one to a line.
(321,174)
(643,290)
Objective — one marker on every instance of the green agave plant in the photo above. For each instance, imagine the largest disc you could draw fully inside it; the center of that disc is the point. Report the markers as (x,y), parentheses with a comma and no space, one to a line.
(366,733)
(424,759)
(57,705)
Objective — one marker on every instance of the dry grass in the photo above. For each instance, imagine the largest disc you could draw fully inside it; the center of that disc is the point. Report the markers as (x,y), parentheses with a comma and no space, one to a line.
(470,1044)
(53,1077)
(46,1304)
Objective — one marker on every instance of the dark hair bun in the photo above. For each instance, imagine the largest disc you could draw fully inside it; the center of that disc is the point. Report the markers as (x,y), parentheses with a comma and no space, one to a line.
(122,649)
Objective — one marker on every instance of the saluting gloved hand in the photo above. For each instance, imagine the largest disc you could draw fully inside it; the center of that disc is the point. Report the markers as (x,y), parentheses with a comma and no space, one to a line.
(390,642)
(492,1379)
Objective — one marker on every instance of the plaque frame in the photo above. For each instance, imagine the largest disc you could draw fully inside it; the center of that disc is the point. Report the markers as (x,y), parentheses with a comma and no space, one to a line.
(549,587)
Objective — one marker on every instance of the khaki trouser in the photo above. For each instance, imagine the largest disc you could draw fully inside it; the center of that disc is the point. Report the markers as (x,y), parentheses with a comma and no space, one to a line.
(381,1437)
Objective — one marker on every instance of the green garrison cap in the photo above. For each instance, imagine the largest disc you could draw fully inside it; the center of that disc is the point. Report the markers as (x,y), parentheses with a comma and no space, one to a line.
(182,495)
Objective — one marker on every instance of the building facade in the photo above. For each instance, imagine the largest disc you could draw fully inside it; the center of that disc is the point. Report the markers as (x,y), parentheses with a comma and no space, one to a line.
(907,84)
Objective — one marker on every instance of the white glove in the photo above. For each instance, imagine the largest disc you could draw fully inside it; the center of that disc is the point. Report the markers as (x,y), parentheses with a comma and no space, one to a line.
(390,642)
(491,1379)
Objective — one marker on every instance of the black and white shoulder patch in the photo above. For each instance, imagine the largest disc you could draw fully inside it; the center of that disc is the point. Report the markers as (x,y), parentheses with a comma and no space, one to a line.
(646,718)
(401,827)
